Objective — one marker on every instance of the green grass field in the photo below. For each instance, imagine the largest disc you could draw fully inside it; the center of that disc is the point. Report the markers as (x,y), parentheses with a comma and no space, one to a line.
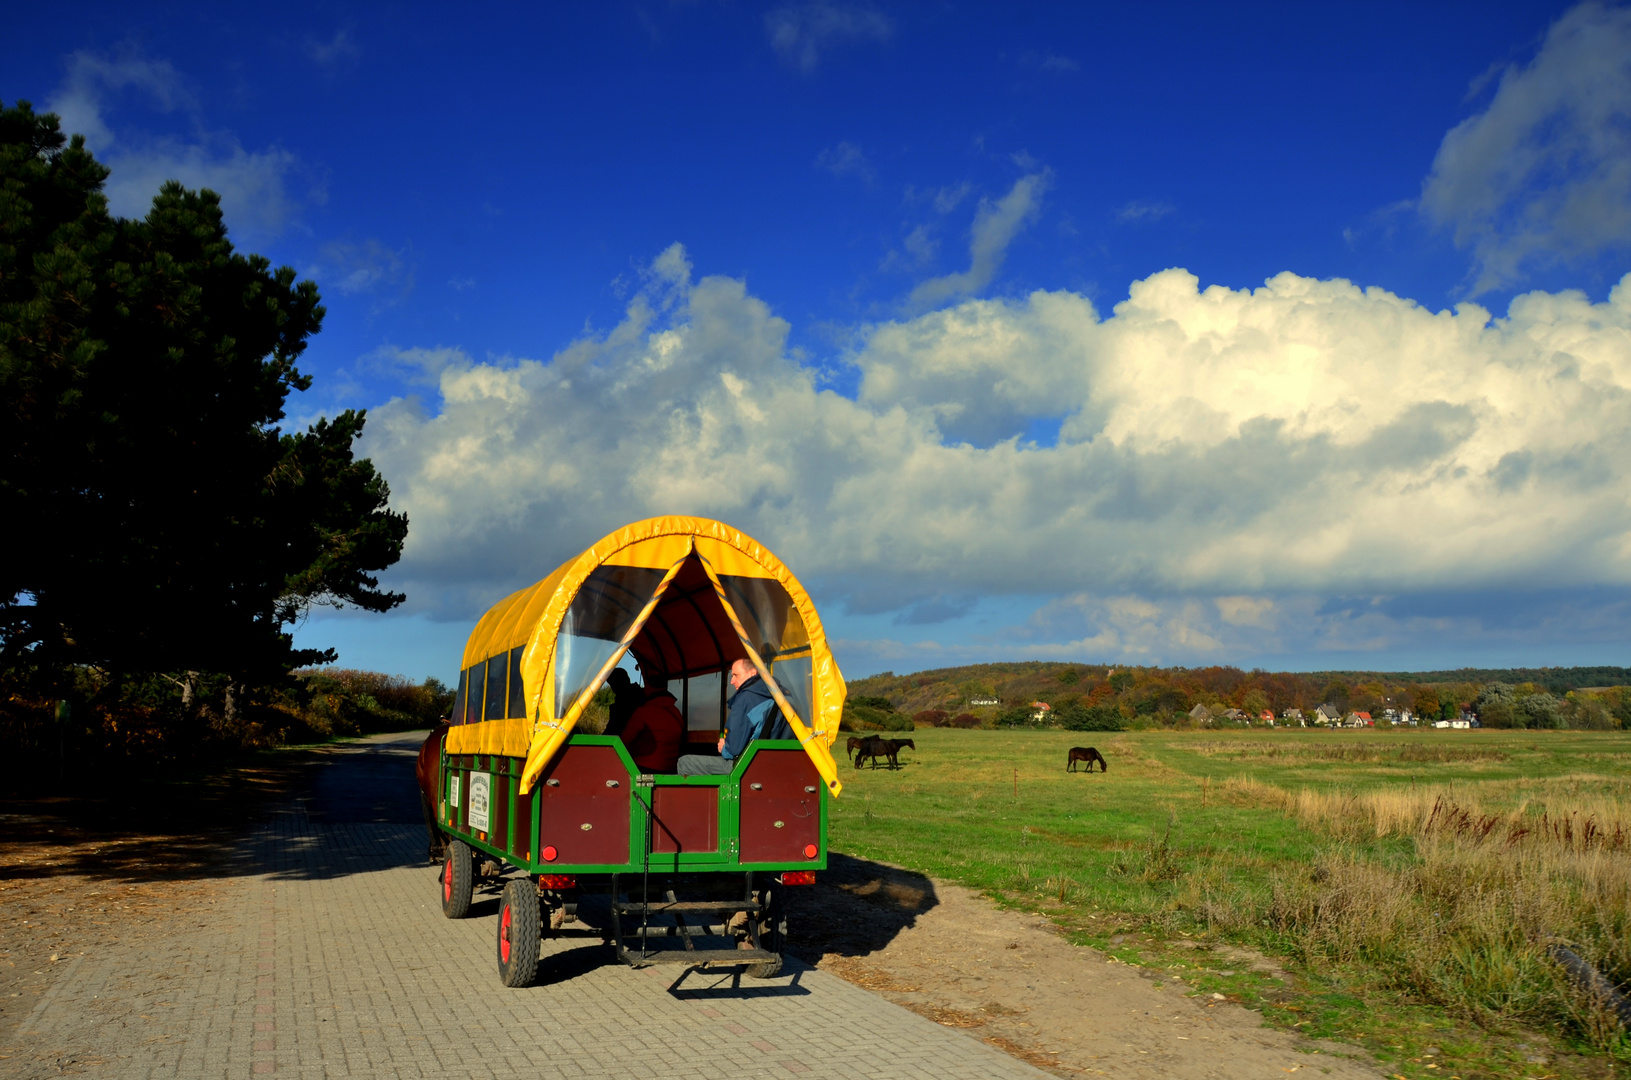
(1409,881)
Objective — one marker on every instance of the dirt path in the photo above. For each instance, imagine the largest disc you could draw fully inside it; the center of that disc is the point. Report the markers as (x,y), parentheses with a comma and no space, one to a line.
(1009,979)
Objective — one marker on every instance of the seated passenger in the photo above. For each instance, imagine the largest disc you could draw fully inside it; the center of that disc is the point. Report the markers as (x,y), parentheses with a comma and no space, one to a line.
(626,697)
(656,729)
(754,714)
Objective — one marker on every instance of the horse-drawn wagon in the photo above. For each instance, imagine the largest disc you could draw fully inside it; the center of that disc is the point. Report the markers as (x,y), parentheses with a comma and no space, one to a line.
(687,869)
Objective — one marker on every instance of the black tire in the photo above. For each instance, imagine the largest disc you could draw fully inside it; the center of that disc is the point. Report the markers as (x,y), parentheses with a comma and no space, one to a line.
(772,935)
(458,879)
(518,929)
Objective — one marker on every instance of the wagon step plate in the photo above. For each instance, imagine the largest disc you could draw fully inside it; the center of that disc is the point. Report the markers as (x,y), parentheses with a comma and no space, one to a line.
(695,956)
(660,907)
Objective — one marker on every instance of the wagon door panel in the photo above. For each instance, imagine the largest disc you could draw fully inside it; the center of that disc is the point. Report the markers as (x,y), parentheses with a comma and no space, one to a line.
(780,808)
(583,801)
(684,819)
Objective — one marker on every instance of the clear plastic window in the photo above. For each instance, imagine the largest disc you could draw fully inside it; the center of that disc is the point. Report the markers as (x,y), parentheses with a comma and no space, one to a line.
(473,699)
(457,716)
(518,689)
(703,701)
(497,669)
(777,632)
(603,611)
(794,674)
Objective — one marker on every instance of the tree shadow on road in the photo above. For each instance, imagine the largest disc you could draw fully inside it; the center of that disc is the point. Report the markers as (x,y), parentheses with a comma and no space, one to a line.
(198,824)
(137,829)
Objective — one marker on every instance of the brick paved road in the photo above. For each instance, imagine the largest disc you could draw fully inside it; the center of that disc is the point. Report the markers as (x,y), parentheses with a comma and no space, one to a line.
(332,959)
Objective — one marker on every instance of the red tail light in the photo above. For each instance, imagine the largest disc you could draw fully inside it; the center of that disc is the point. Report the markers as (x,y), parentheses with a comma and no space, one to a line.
(556,881)
(799,877)
(811,851)
(549,853)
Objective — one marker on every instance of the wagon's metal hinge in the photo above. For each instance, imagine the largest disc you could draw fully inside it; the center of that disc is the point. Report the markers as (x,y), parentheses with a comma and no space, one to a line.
(733,847)
(645,780)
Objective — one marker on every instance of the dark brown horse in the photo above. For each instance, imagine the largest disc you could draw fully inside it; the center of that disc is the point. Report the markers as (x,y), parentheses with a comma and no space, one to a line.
(1087,754)
(428,771)
(877,746)
(855,743)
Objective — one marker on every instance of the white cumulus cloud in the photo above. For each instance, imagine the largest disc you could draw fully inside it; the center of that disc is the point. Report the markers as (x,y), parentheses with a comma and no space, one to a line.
(1304,438)
(253,184)
(1543,174)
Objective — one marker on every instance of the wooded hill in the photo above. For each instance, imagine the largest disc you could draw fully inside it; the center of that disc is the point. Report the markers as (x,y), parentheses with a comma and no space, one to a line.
(1098,696)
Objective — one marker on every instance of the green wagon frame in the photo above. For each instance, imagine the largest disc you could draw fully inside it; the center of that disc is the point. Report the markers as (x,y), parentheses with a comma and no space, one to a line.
(592,836)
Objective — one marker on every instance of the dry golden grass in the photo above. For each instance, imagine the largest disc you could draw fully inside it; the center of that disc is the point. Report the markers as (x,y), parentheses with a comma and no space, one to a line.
(1418,869)
(1363,750)
(1492,880)
(1579,814)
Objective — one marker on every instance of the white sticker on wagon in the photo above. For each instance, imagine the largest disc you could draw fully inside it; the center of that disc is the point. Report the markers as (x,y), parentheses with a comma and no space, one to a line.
(480,788)
(453,791)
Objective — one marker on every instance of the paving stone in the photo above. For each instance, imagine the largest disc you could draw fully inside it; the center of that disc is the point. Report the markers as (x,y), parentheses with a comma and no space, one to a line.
(336,962)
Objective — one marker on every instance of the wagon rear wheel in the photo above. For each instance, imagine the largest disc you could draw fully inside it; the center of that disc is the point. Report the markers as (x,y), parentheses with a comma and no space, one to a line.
(772,935)
(518,930)
(458,879)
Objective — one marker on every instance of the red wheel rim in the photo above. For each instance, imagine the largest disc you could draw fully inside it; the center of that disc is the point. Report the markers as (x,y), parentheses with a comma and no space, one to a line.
(504,936)
(447,881)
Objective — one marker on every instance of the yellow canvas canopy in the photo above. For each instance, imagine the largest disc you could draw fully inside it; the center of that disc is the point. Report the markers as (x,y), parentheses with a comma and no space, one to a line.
(688,596)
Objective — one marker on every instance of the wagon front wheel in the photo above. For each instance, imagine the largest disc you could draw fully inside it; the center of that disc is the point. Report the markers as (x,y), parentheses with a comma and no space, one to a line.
(518,931)
(458,879)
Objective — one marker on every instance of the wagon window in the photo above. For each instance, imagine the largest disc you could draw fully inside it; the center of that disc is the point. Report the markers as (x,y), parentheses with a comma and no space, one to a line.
(497,668)
(777,631)
(702,702)
(604,609)
(478,682)
(457,716)
(518,691)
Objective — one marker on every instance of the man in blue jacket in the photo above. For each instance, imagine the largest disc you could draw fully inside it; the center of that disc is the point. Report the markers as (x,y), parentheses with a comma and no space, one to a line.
(754,714)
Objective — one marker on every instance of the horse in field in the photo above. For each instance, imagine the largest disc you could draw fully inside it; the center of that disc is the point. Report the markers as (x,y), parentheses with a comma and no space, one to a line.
(877,746)
(855,743)
(1087,754)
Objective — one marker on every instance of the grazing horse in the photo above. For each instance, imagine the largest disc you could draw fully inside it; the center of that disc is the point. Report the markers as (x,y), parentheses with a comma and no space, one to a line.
(855,742)
(870,747)
(428,771)
(877,747)
(1087,754)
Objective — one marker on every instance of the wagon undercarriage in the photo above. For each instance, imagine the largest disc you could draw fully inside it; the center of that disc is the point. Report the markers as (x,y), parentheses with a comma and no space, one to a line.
(668,869)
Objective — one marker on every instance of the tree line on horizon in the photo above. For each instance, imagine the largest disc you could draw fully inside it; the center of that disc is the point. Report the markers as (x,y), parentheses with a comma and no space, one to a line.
(1091,697)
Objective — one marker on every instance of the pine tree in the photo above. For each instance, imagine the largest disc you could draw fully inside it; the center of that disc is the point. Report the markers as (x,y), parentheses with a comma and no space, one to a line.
(157,519)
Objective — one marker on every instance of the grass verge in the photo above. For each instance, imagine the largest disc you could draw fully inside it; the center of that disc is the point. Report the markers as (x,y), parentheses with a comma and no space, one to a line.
(1396,889)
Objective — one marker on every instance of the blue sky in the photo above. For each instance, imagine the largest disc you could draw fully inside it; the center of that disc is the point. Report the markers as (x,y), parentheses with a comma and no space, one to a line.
(1277,336)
